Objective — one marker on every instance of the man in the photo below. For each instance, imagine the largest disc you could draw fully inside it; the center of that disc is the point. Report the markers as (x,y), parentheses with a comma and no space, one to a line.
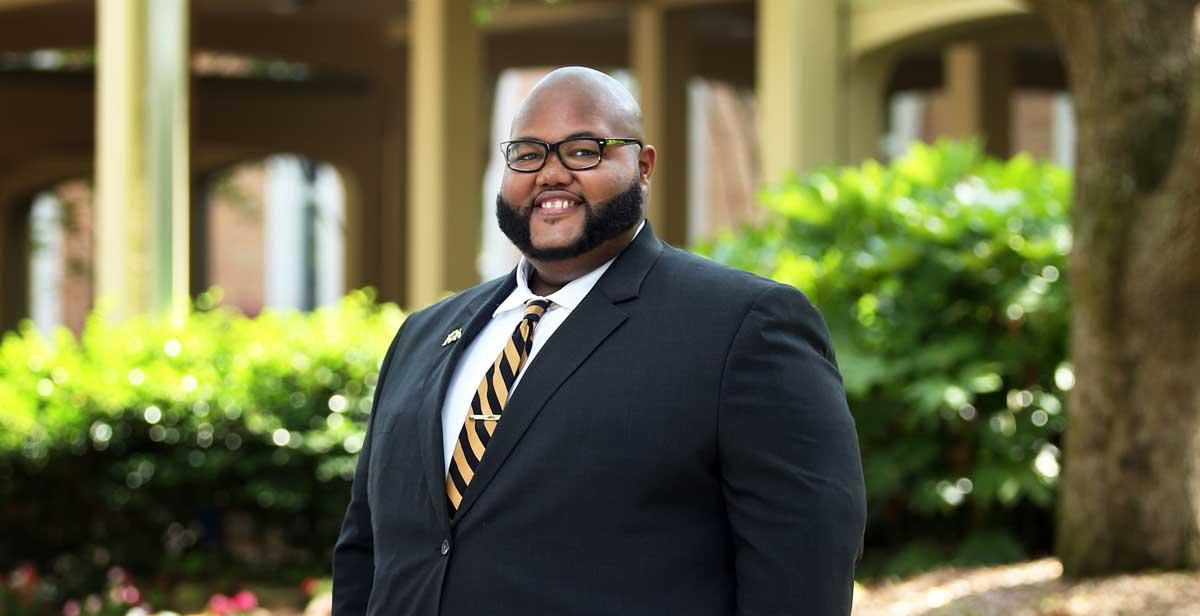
(616,428)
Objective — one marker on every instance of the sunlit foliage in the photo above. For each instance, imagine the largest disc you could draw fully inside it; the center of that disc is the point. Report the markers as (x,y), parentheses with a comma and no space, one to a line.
(141,439)
(942,278)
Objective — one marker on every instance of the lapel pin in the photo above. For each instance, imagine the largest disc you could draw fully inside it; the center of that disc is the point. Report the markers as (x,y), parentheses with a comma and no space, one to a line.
(452,337)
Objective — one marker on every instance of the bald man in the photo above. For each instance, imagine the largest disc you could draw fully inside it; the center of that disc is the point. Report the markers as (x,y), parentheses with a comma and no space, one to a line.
(617,427)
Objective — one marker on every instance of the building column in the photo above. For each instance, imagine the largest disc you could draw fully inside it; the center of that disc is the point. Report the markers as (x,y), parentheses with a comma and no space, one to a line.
(392,207)
(445,149)
(142,167)
(978,85)
(866,109)
(169,133)
(46,263)
(14,271)
(284,192)
(6,302)
(799,91)
(122,202)
(660,52)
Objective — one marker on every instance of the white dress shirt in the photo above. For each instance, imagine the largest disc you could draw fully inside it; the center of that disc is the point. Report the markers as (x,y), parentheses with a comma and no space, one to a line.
(488,345)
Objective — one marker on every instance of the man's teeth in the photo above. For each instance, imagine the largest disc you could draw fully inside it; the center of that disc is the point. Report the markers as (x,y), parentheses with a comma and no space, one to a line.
(557,204)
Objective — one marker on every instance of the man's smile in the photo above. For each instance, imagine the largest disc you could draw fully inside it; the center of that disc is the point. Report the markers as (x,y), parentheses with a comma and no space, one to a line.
(554,203)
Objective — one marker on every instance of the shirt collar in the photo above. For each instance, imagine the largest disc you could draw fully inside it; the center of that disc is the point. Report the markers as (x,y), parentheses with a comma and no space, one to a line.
(567,297)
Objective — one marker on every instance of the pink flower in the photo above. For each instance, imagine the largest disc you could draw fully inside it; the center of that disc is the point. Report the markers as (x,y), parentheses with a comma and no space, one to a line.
(92,604)
(24,576)
(219,604)
(130,595)
(244,601)
(72,608)
(117,575)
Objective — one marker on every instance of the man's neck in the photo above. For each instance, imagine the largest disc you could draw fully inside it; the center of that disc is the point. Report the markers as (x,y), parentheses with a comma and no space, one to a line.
(546,277)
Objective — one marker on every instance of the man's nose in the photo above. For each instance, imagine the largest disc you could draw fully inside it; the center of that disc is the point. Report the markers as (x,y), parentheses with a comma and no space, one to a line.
(553,173)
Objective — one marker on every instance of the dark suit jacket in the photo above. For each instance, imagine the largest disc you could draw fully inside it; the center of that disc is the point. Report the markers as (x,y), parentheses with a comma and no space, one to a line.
(681,445)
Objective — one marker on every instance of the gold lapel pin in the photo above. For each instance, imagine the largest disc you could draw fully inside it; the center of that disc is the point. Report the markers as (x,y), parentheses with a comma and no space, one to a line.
(452,337)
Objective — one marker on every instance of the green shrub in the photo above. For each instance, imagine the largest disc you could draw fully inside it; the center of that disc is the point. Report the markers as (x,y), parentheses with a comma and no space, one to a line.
(170,447)
(941,277)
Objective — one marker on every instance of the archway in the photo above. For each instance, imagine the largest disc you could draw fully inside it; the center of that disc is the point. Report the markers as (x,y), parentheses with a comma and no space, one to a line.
(273,234)
(978,68)
(49,257)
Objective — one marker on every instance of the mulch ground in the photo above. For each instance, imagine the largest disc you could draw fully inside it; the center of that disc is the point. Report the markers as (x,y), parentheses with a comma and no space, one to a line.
(1034,588)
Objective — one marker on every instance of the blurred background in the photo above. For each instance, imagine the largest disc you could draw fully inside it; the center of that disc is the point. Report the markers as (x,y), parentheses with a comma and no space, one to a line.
(269,147)
(213,215)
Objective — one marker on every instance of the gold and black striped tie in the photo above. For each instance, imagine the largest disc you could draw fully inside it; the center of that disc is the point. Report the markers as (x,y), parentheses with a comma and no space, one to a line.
(488,404)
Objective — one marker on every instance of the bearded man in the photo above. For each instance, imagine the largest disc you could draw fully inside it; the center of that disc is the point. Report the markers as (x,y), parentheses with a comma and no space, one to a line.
(617,427)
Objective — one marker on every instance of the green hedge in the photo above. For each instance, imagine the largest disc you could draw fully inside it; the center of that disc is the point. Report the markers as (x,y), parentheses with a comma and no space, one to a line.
(181,448)
(942,279)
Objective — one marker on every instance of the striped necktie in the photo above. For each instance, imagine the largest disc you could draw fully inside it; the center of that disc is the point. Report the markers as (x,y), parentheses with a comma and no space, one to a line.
(488,404)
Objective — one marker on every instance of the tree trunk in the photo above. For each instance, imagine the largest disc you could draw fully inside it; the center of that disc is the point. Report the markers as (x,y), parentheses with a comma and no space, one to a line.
(1131,484)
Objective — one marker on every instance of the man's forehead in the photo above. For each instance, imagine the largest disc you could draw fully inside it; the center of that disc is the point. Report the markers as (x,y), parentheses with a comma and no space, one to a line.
(557,126)
(558,122)
(571,107)
(551,125)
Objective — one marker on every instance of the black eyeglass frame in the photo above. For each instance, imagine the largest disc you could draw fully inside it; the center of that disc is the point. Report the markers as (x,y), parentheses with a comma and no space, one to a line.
(552,148)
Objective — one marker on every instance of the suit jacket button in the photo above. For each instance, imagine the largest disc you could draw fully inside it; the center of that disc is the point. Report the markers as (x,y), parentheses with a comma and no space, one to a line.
(445,547)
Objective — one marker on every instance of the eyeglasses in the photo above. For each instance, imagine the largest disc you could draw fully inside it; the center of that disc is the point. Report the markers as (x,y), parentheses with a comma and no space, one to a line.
(577,154)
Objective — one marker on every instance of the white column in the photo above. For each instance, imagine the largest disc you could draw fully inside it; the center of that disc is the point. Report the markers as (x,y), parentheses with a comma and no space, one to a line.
(906,113)
(46,262)
(330,196)
(1064,130)
(283,229)
(168,160)
(122,210)
(142,169)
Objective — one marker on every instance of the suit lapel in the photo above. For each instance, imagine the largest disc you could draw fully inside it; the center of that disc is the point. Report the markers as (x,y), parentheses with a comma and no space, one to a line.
(588,325)
(472,318)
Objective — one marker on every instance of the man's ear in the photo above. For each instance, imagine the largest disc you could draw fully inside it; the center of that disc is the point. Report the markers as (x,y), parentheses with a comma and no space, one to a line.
(646,160)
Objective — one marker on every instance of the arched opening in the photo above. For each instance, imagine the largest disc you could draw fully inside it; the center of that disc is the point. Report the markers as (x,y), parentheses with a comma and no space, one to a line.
(724,167)
(274,234)
(1031,106)
(995,77)
(59,268)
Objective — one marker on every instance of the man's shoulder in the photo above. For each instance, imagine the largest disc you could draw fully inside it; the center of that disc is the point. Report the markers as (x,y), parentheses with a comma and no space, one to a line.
(688,271)
(683,278)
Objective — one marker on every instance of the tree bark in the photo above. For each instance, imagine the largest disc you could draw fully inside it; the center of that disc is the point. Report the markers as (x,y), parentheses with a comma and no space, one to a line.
(1131,483)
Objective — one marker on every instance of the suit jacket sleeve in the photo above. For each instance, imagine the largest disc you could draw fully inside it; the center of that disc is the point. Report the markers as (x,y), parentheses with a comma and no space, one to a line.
(791,471)
(354,552)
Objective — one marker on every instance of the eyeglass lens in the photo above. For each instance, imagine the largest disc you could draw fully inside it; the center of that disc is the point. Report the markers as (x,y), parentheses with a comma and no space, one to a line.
(575,154)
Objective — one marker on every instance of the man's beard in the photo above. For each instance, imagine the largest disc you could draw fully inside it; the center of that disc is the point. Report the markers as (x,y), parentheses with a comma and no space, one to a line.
(602,222)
